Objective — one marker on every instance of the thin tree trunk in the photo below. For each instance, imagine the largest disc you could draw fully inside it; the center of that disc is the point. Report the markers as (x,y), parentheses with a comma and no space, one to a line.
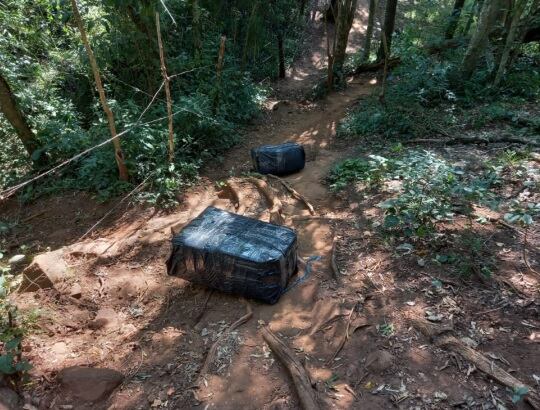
(303,4)
(345,17)
(369,30)
(119,155)
(474,12)
(330,49)
(519,6)
(196,15)
(388,28)
(9,107)
(382,94)
(479,40)
(166,81)
(281,55)
(219,69)
(454,19)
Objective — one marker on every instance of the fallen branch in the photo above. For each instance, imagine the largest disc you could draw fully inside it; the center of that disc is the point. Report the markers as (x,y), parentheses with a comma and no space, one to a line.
(275,206)
(480,361)
(347,334)
(333,263)
(237,195)
(314,218)
(203,310)
(213,350)
(299,375)
(472,140)
(376,66)
(294,193)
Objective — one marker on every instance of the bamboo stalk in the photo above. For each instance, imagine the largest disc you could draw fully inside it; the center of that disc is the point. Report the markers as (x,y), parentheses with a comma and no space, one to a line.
(166,81)
(119,155)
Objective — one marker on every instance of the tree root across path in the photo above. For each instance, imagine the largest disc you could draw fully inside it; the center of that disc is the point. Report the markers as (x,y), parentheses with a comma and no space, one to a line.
(237,195)
(441,338)
(274,204)
(299,375)
(213,350)
(294,193)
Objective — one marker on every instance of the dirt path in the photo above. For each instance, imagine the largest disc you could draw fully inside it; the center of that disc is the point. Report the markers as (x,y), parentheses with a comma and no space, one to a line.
(157,330)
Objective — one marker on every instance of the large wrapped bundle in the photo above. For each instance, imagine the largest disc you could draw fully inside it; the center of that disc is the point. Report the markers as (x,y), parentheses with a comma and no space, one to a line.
(280,159)
(235,254)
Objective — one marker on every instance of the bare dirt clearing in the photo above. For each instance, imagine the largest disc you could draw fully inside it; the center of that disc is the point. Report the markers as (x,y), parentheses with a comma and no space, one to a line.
(353,333)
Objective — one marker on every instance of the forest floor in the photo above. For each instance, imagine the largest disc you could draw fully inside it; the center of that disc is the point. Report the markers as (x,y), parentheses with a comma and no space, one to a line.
(118,309)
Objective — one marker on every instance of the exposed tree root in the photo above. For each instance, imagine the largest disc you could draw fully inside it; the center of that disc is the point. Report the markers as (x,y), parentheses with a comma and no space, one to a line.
(237,195)
(203,310)
(294,193)
(348,332)
(333,263)
(275,206)
(299,375)
(449,342)
(472,140)
(314,218)
(213,350)
(376,66)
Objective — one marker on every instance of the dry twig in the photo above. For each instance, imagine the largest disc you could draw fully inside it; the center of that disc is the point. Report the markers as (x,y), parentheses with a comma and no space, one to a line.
(299,375)
(294,193)
(213,350)
(275,206)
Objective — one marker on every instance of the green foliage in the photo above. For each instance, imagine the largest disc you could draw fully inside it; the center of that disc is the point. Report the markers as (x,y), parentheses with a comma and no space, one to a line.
(13,367)
(522,214)
(43,60)
(426,96)
(430,189)
(519,393)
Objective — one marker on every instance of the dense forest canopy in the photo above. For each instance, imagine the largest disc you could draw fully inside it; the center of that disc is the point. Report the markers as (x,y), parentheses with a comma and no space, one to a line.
(219,57)
(45,64)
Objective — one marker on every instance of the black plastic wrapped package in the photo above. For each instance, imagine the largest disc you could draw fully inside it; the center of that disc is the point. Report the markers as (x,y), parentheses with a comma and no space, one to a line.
(235,254)
(280,159)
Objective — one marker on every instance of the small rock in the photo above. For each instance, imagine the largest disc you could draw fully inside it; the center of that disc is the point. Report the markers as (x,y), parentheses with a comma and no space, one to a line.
(469,342)
(44,271)
(440,396)
(105,318)
(16,259)
(76,291)
(9,400)
(90,384)
(379,361)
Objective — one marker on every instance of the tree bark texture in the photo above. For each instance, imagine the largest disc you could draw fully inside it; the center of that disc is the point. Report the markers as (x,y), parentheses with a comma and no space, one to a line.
(388,28)
(479,40)
(454,19)
(119,155)
(345,17)
(369,30)
(10,109)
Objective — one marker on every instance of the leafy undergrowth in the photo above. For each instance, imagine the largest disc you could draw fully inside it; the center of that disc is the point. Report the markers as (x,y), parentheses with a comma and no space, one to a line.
(426,191)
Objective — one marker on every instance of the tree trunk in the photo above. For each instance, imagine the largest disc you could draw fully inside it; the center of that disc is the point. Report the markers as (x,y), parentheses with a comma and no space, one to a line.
(11,111)
(517,11)
(281,55)
(197,42)
(166,83)
(475,11)
(330,50)
(454,19)
(479,40)
(369,30)
(302,10)
(388,28)
(119,155)
(345,17)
